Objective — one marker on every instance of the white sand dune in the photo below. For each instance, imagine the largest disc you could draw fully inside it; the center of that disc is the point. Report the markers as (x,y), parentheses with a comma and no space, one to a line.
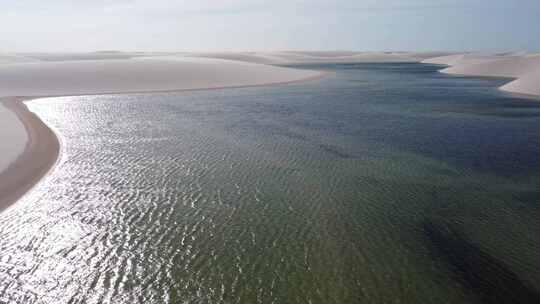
(525,68)
(251,57)
(138,75)
(13,59)
(497,67)
(526,84)
(353,57)
(420,56)
(313,57)
(460,59)
(272,58)
(79,56)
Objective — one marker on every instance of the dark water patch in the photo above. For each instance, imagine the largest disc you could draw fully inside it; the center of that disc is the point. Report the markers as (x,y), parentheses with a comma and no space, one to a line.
(530,197)
(333,150)
(498,105)
(490,279)
(504,112)
(521,103)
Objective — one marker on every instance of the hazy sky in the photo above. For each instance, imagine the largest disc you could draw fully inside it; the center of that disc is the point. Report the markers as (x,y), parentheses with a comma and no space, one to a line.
(81,25)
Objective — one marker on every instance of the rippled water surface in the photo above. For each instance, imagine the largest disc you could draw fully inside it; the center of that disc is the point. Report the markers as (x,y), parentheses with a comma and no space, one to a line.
(382,183)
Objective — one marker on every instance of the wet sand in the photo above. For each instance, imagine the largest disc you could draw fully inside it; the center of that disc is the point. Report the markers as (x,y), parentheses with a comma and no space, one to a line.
(40,154)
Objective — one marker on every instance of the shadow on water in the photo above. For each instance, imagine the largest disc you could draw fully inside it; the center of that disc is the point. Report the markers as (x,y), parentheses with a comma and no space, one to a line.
(335,151)
(490,279)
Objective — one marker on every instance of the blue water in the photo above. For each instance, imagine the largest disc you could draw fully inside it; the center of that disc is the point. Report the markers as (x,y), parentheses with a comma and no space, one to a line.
(381,183)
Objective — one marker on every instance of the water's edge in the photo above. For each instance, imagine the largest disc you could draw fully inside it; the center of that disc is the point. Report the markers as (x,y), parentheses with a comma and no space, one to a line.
(173,196)
(28,169)
(40,154)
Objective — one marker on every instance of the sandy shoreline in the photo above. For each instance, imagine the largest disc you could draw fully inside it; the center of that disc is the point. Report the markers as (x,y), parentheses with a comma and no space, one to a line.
(521,70)
(138,75)
(55,76)
(40,154)
(42,148)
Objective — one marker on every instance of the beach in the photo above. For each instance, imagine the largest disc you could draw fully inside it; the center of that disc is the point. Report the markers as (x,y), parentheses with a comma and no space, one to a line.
(61,78)
(34,161)
(34,148)
(39,75)
(522,69)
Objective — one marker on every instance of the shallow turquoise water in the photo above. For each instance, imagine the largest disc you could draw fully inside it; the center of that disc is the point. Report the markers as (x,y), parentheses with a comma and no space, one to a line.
(382,183)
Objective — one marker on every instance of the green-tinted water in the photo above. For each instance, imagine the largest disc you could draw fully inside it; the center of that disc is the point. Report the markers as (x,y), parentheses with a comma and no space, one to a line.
(384,183)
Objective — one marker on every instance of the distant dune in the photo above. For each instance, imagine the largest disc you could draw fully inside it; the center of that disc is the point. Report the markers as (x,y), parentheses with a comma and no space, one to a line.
(524,68)
(242,56)
(526,84)
(79,56)
(138,75)
(13,59)
(312,57)
(461,59)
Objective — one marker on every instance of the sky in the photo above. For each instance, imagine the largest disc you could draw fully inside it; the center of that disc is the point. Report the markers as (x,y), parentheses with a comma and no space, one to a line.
(252,25)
